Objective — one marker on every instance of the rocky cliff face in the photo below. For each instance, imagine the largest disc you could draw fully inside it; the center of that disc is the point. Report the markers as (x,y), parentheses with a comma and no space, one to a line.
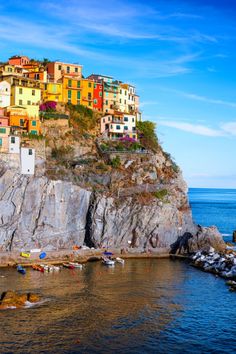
(150,211)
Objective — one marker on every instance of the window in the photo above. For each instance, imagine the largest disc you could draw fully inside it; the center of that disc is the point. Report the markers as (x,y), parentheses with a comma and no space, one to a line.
(133,129)
(28,103)
(89,96)
(20,91)
(125,127)
(69,94)
(45,86)
(125,101)
(95,101)
(68,69)
(90,104)
(2,130)
(34,123)
(89,84)
(109,118)
(13,140)
(69,100)
(20,102)
(30,150)
(103,120)
(0,141)
(76,70)
(78,95)
(6,89)
(34,132)
(95,86)
(126,119)
(133,120)
(120,91)
(22,122)
(106,93)
(78,84)
(106,102)
(120,100)
(69,83)
(125,92)
(118,127)
(33,92)
(100,94)
(59,67)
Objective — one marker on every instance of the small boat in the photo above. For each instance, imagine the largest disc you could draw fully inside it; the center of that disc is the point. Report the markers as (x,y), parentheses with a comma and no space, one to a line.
(68,265)
(76,265)
(120,260)
(20,269)
(108,261)
(37,267)
(25,254)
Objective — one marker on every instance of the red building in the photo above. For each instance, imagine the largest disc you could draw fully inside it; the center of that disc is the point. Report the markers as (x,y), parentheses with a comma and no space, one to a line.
(18,60)
(98,96)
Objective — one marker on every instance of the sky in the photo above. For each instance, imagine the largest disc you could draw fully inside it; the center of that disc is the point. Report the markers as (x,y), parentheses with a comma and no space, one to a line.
(180,55)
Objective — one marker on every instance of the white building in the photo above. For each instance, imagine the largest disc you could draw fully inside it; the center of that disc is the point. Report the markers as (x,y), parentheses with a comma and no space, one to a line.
(14,144)
(27,157)
(119,126)
(5,94)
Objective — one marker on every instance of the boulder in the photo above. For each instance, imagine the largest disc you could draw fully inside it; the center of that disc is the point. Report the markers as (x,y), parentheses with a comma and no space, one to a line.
(12,299)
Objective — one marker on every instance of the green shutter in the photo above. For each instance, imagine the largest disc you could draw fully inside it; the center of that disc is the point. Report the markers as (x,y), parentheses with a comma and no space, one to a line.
(2,130)
(78,95)
(0,141)
(69,94)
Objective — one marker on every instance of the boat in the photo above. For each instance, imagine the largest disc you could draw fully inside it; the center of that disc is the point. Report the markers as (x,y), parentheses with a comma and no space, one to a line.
(76,265)
(108,261)
(68,265)
(20,269)
(25,254)
(120,260)
(38,267)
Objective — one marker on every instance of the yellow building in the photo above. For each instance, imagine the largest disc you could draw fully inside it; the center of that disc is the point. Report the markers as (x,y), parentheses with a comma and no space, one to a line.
(52,91)
(26,93)
(71,90)
(87,93)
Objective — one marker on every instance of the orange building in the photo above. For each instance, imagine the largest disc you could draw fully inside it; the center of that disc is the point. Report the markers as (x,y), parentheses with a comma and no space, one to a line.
(18,60)
(56,70)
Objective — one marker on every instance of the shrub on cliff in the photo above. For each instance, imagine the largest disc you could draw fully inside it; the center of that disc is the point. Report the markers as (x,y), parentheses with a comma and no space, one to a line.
(82,118)
(147,134)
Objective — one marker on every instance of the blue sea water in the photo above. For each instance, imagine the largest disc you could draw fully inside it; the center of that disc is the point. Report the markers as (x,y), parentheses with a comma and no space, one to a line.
(217,207)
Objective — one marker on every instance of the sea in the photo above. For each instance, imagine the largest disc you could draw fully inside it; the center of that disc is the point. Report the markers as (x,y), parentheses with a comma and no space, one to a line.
(144,306)
(215,207)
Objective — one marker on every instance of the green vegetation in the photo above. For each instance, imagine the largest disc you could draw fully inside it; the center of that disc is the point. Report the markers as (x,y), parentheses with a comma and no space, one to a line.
(115,162)
(33,136)
(147,134)
(82,118)
(161,194)
(62,153)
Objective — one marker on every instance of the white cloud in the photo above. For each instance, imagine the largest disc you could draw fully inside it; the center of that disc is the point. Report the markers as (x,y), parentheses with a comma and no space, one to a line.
(229,128)
(192,128)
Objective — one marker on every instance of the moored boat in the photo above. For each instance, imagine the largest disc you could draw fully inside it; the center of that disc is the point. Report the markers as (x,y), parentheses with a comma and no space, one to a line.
(120,260)
(68,265)
(38,267)
(76,265)
(108,261)
(20,269)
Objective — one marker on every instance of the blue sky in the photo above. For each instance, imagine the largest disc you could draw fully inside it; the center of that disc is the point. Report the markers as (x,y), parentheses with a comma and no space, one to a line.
(179,54)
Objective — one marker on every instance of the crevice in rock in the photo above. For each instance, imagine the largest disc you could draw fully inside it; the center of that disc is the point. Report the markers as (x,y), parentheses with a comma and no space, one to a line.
(89,222)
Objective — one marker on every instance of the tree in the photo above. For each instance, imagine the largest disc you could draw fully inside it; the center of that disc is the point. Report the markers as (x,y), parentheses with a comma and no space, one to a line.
(148,135)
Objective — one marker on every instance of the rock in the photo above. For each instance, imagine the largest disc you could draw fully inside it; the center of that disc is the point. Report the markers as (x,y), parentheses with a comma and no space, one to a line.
(11,299)
(234,236)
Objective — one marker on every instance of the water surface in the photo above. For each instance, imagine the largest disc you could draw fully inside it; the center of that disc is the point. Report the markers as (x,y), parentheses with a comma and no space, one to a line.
(145,306)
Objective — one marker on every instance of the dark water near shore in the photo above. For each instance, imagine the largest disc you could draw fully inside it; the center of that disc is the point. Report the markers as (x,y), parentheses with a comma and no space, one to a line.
(145,306)
(215,207)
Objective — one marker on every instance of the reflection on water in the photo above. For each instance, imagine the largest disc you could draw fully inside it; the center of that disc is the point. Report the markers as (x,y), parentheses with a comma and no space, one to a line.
(145,306)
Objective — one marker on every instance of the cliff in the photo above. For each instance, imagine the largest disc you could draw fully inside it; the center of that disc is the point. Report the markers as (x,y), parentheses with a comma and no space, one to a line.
(140,205)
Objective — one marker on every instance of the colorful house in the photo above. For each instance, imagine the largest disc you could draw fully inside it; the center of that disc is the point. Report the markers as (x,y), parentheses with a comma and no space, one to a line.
(71,90)
(18,118)
(98,96)
(118,125)
(5,94)
(7,69)
(26,93)
(52,91)
(56,70)
(14,144)
(35,71)
(27,158)
(18,60)
(87,93)
(34,126)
